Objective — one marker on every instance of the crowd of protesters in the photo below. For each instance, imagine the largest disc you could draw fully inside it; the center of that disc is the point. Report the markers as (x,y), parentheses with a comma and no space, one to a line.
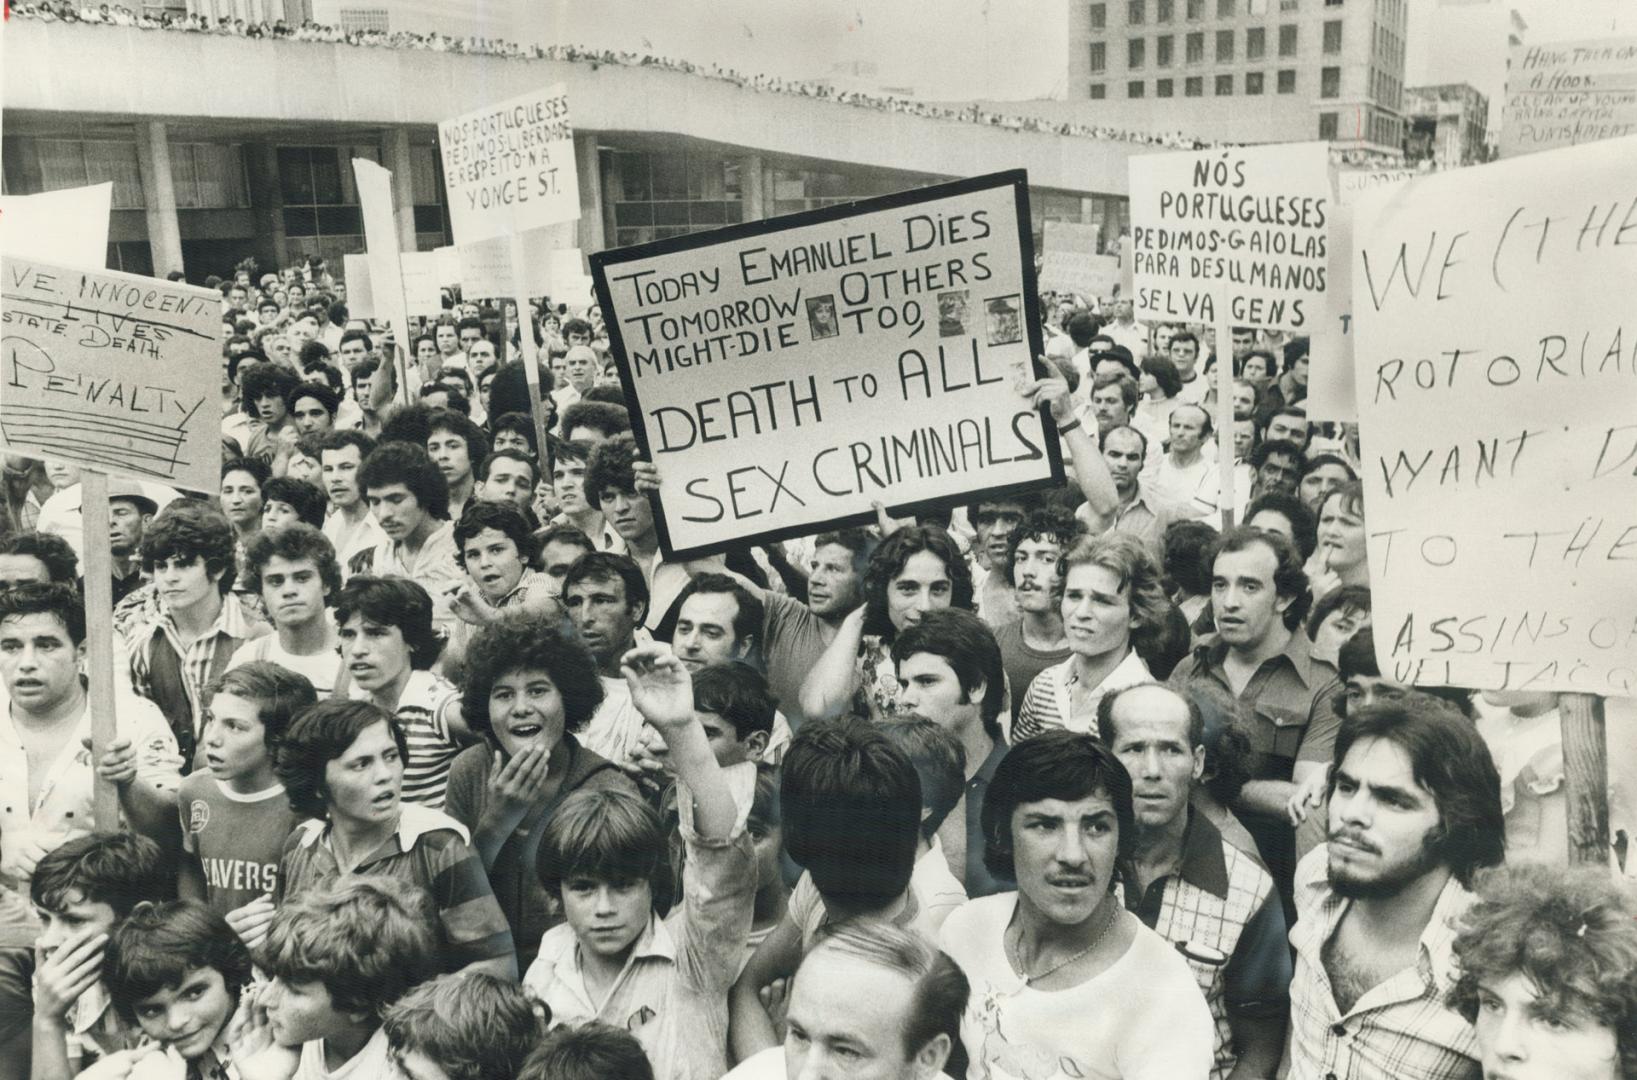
(431,763)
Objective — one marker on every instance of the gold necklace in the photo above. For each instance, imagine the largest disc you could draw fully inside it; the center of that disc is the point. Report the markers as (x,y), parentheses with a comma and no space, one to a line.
(1108,924)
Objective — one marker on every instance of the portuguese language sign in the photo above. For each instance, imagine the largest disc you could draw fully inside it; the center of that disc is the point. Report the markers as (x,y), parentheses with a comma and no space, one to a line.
(1497,391)
(1245,227)
(1330,366)
(510,167)
(111,371)
(1569,93)
(787,375)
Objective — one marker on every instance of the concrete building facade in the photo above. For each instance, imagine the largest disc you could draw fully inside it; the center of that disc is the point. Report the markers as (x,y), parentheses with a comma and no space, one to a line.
(222,147)
(1244,70)
(1447,125)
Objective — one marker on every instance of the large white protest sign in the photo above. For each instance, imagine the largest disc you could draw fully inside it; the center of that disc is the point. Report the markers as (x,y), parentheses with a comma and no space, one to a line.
(111,371)
(786,375)
(1244,227)
(1330,352)
(68,226)
(1569,92)
(1497,391)
(360,289)
(422,295)
(510,167)
(1069,261)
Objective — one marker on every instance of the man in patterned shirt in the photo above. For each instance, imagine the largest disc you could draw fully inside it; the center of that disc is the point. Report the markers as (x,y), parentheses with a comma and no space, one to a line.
(1215,903)
(1415,812)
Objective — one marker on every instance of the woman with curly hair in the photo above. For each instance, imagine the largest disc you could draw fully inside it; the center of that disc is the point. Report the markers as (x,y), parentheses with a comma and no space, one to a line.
(529,689)
(1112,598)
(1548,973)
(913,571)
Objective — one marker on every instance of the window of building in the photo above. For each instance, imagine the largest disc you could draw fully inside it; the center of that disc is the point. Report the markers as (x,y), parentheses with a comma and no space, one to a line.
(1136,12)
(1196,10)
(1164,88)
(1224,86)
(320,199)
(1256,43)
(1332,3)
(1327,125)
(1193,86)
(1253,83)
(208,176)
(1164,11)
(1224,46)
(1163,49)
(659,195)
(1098,91)
(1287,81)
(1099,16)
(1196,48)
(1134,89)
(66,163)
(1136,53)
(1330,82)
(1287,5)
(1332,36)
(1287,40)
(1224,9)
(1099,57)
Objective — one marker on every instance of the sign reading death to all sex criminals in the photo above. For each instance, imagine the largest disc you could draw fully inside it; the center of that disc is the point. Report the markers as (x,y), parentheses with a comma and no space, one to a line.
(111,371)
(788,374)
(1244,227)
(509,167)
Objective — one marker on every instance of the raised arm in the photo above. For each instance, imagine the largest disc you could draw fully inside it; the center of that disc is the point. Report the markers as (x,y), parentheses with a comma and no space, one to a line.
(829,686)
(1090,471)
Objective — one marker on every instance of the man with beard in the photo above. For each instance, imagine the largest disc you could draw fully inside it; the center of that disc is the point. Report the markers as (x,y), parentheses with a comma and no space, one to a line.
(1035,641)
(1415,812)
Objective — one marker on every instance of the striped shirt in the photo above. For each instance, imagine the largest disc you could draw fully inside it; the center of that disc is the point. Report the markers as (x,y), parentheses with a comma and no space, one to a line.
(423,713)
(430,852)
(1047,703)
(1400,1029)
(202,660)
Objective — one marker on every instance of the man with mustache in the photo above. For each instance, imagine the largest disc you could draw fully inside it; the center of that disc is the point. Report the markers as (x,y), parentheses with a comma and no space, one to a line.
(1211,900)
(1415,812)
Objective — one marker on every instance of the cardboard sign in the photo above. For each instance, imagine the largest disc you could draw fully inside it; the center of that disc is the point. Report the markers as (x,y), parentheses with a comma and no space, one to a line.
(360,290)
(422,293)
(111,371)
(68,226)
(1568,93)
(1497,390)
(550,263)
(510,167)
(448,265)
(785,375)
(1070,262)
(1244,227)
(1330,355)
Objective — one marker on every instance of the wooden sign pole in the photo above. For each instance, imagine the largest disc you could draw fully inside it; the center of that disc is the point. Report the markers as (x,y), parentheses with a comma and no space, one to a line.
(525,341)
(1586,776)
(99,637)
(1224,412)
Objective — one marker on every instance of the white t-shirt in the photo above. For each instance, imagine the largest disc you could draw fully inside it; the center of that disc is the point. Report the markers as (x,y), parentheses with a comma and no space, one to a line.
(321,668)
(1142,1019)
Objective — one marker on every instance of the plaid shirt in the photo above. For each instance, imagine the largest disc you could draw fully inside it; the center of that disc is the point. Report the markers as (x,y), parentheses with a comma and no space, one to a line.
(232,622)
(1401,1029)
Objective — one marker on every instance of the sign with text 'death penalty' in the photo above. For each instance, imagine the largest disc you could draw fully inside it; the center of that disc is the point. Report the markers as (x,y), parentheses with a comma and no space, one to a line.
(1496,378)
(1243,227)
(509,167)
(111,371)
(786,375)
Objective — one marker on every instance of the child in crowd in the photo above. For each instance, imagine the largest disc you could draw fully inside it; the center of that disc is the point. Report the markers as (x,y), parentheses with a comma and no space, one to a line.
(342,764)
(176,971)
(294,571)
(589,1052)
(338,958)
(851,805)
(82,890)
(235,817)
(462,1027)
(623,957)
(940,764)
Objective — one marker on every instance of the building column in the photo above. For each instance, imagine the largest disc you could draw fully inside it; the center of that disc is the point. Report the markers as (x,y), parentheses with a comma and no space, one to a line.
(267,205)
(588,175)
(395,155)
(153,158)
(751,188)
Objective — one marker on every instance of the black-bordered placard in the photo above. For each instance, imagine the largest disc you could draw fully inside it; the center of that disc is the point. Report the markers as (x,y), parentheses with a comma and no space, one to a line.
(785,375)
